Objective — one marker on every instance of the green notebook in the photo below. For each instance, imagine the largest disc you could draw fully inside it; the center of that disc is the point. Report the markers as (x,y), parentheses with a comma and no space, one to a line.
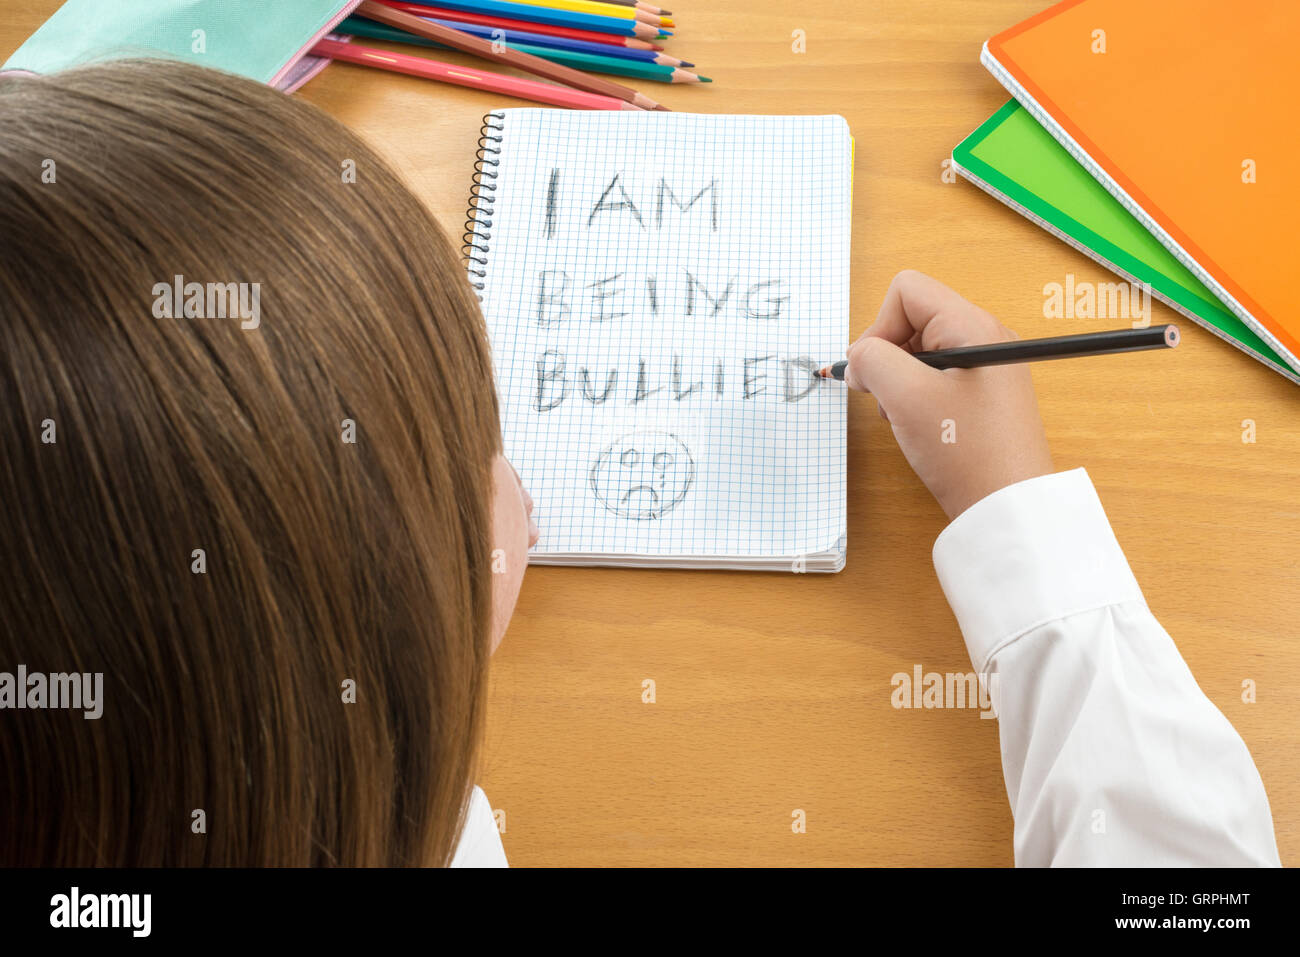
(1015,160)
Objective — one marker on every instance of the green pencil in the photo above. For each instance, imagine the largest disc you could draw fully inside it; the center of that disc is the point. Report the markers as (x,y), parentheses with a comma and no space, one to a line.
(591,62)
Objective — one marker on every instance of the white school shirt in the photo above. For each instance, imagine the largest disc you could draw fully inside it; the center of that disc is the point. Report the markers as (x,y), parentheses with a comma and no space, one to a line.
(1112,754)
(480,841)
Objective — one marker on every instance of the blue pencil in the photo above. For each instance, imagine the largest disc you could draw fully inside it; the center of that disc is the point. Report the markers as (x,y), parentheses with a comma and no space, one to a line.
(560,18)
(546,40)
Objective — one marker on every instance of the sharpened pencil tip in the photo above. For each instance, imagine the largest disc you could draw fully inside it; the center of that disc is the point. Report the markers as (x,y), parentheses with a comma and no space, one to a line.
(686,64)
(706,79)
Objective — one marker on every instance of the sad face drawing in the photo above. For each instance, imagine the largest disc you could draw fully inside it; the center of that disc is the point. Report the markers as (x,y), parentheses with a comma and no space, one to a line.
(643,475)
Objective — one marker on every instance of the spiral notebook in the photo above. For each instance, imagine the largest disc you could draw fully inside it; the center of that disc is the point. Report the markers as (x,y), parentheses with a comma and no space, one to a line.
(659,288)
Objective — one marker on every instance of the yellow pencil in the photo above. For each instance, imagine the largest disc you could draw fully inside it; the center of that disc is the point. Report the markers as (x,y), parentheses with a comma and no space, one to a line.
(597,8)
(642,5)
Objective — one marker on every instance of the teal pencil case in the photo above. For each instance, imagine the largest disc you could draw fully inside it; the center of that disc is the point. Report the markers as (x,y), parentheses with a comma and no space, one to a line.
(265,40)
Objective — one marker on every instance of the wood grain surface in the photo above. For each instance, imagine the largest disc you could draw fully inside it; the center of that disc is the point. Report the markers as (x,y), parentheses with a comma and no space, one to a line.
(772,692)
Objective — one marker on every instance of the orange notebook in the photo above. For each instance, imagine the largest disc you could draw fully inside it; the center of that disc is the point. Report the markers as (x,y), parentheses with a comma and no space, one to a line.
(1185,110)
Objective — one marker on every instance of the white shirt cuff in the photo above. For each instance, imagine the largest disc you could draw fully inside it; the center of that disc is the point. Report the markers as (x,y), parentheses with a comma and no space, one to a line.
(1028,554)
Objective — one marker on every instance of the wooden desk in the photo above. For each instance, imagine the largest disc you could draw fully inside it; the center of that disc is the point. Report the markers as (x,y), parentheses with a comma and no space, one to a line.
(773,691)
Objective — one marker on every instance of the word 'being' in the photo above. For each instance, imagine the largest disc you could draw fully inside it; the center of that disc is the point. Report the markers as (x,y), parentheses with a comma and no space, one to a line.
(616,205)
(37,690)
(214,300)
(559,298)
(789,378)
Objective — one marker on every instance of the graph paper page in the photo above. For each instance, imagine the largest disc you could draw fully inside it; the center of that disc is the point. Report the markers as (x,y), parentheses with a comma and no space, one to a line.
(658,288)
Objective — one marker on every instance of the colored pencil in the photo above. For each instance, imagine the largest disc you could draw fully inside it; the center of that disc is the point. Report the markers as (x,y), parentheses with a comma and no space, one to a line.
(640,5)
(467,76)
(495,52)
(597,63)
(615,66)
(516,37)
(562,18)
(598,8)
(1032,350)
(505,23)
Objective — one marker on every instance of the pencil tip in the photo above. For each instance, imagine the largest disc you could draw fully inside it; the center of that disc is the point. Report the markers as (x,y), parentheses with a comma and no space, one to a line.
(705,79)
(686,64)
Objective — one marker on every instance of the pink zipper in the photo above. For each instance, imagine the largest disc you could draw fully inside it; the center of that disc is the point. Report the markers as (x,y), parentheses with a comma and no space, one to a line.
(302,66)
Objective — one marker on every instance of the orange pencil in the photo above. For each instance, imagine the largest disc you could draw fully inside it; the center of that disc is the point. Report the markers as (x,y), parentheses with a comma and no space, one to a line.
(466,76)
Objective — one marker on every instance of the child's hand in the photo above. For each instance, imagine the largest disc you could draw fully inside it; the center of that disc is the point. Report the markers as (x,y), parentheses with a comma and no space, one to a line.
(966,432)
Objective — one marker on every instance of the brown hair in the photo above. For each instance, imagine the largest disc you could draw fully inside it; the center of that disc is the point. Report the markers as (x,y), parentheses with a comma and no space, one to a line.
(327,561)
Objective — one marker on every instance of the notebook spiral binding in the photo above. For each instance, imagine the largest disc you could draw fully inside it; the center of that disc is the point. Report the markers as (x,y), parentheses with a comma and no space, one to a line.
(475,240)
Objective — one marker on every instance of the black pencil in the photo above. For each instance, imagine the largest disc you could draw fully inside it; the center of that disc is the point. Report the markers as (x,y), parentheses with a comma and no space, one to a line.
(1033,350)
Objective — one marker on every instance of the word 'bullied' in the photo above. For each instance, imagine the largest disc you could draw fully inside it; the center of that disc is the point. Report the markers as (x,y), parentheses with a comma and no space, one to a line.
(790,379)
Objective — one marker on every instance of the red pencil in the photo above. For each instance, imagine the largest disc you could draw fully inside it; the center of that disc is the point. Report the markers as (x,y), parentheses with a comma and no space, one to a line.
(572,33)
(467,76)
